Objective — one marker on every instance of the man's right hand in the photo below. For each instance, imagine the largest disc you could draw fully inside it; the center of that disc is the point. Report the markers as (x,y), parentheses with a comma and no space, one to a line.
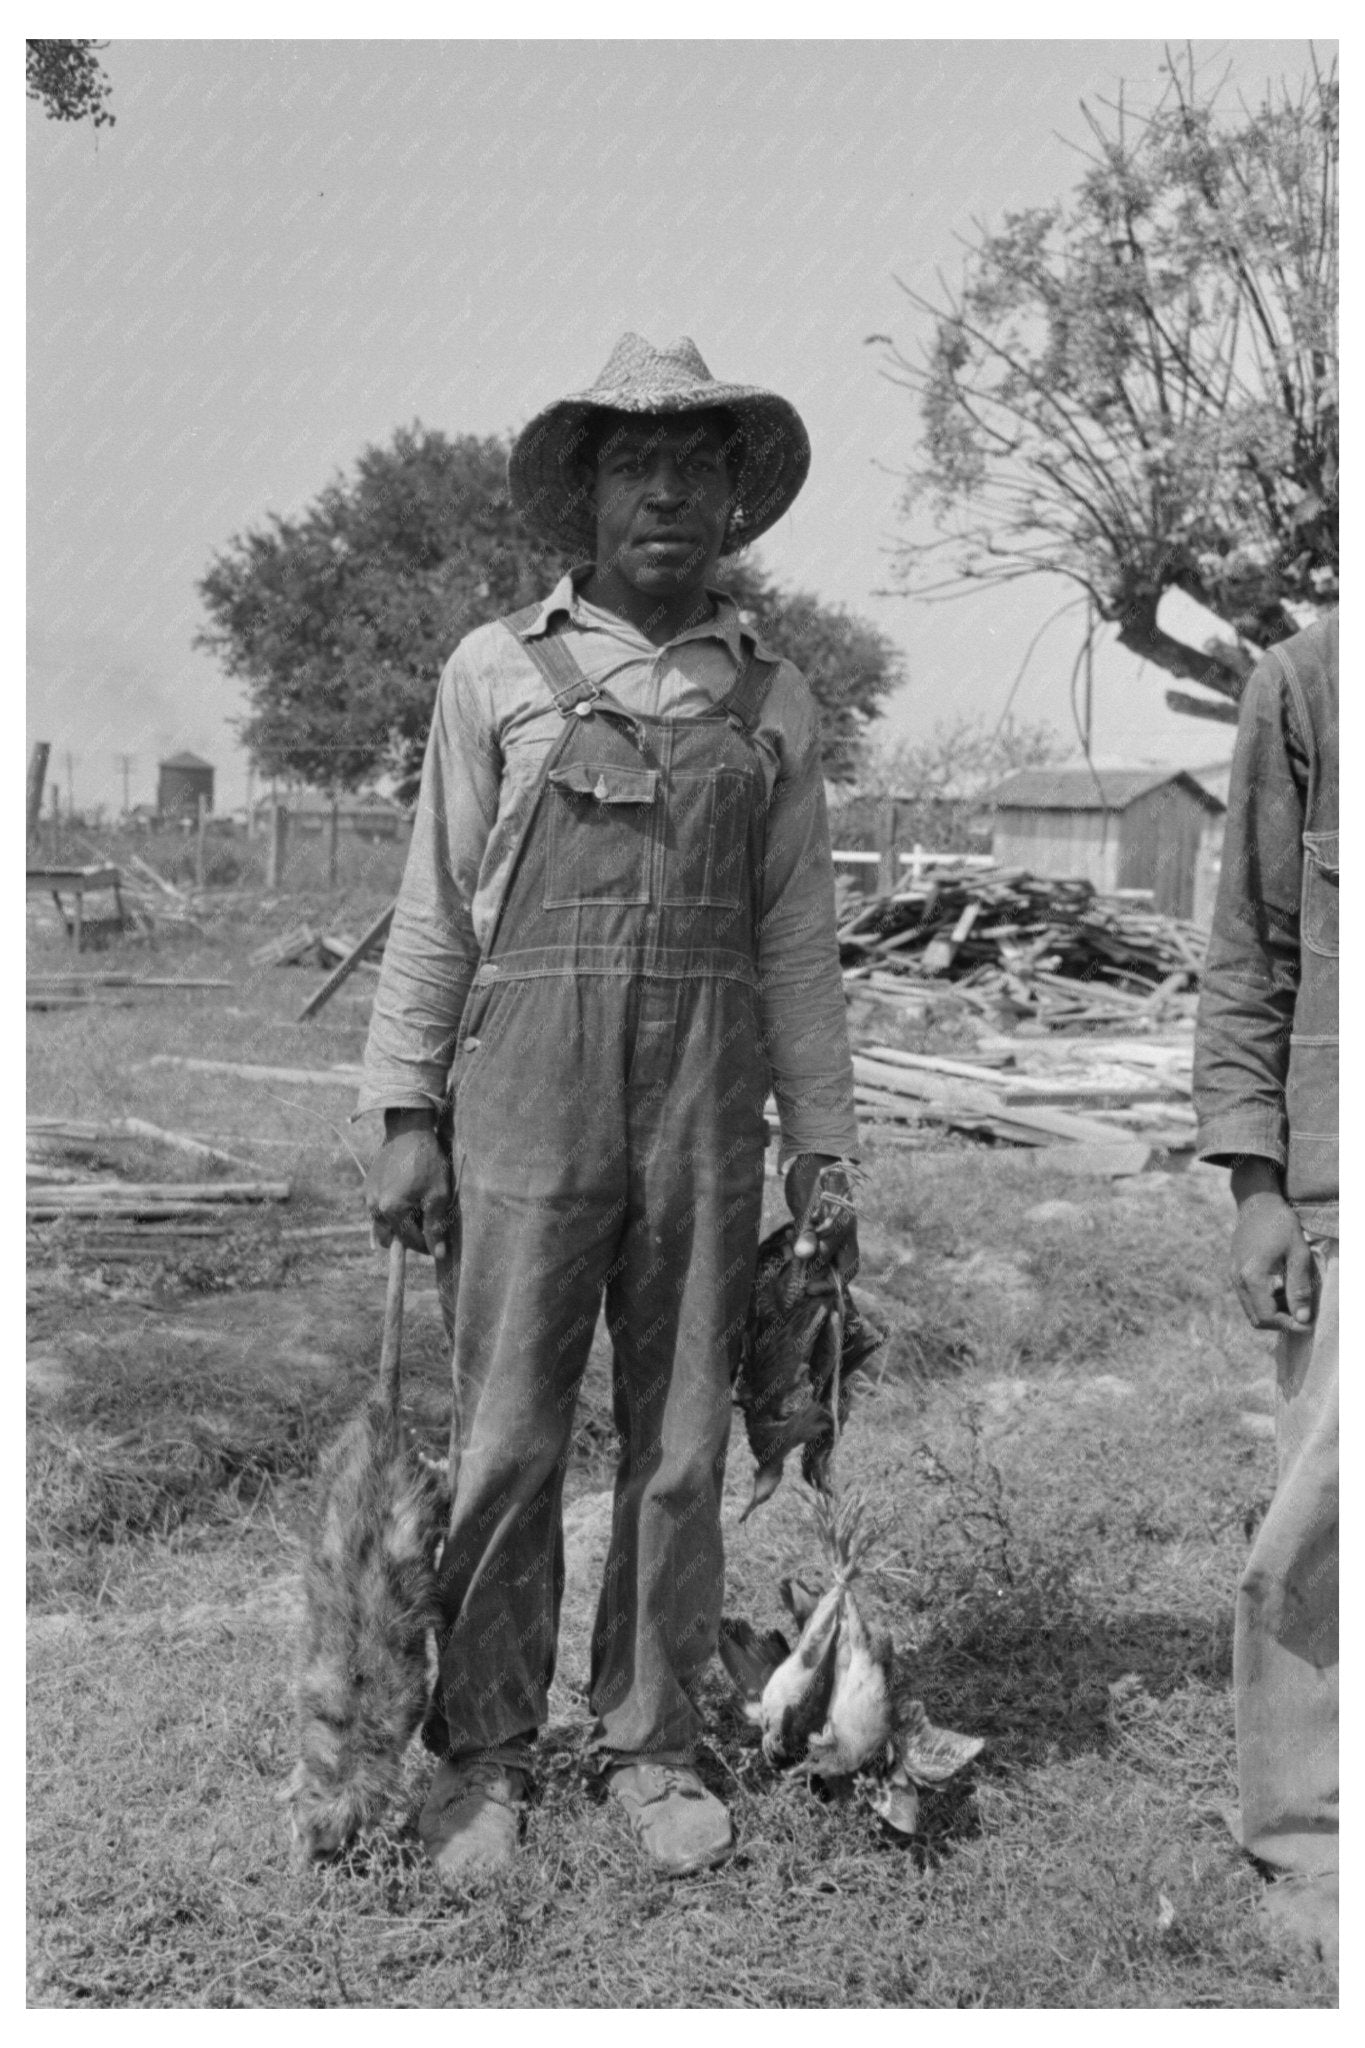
(407,1189)
(1272,1265)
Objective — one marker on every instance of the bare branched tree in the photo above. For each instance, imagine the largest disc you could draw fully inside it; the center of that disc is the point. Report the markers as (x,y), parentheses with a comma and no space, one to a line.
(1136,387)
(941,782)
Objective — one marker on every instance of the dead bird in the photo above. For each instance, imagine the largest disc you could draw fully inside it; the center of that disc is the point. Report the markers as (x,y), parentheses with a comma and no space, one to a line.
(919,1754)
(858,1725)
(786,1692)
(370,1598)
(829,1706)
(804,1337)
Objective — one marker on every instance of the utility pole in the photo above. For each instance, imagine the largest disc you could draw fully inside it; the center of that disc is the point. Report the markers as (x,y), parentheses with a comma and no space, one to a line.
(126,761)
(70,787)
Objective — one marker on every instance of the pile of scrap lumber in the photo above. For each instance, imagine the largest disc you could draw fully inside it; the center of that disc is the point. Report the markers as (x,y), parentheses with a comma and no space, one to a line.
(1102,1106)
(155,905)
(339,951)
(122,1217)
(1013,946)
(304,944)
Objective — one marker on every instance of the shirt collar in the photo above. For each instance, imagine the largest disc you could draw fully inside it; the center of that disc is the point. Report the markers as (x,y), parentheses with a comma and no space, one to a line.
(725,625)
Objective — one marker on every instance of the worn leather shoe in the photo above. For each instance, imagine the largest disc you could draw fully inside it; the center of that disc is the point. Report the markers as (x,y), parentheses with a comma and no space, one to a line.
(679,1824)
(471,1818)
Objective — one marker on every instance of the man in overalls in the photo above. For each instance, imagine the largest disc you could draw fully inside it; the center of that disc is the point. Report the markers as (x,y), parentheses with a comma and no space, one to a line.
(615,933)
(1266,1089)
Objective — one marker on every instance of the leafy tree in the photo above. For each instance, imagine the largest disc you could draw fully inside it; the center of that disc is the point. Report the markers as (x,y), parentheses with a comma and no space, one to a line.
(68,81)
(339,621)
(1136,387)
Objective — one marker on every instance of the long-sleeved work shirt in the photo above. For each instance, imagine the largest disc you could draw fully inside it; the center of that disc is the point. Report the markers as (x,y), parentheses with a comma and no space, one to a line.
(493,725)
(1266,1044)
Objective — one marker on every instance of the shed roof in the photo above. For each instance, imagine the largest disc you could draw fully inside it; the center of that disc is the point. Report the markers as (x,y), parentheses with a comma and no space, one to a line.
(185,760)
(1075,789)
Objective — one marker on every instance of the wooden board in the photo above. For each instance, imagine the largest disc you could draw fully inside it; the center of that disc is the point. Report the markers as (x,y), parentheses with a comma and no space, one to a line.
(303,1077)
(975,1106)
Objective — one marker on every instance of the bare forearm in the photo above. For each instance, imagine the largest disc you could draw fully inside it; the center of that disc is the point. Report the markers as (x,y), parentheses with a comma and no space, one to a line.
(1252,1176)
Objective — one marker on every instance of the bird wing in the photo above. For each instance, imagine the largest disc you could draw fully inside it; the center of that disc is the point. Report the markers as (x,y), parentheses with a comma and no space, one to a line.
(931,1755)
(799,1599)
(750,1658)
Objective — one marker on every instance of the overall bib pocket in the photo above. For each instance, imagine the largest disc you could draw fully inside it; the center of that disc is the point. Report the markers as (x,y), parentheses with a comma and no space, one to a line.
(706,837)
(602,828)
(1321,893)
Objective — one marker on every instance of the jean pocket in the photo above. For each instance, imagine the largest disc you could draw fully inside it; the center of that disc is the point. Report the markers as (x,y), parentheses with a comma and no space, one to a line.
(1321,893)
(601,834)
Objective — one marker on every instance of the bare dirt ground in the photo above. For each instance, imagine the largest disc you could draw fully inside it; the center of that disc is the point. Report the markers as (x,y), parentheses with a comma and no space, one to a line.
(1067,1433)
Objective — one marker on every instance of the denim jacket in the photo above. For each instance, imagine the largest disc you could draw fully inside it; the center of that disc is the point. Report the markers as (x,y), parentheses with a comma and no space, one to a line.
(1266,1044)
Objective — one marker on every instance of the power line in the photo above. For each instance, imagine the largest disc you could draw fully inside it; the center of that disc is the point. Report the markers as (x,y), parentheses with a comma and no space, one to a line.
(1069,606)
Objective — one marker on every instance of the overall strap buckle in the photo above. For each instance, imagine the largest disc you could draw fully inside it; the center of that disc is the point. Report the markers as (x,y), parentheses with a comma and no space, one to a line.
(568,685)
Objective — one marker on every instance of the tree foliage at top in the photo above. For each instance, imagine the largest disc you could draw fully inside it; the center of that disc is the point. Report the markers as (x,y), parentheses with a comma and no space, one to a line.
(339,621)
(68,81)
(1136,387)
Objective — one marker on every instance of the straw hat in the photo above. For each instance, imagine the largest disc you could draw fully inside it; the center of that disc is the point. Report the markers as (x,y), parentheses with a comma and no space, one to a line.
(549,485)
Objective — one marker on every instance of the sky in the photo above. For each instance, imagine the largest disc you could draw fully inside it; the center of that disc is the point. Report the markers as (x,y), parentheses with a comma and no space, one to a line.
(285,249)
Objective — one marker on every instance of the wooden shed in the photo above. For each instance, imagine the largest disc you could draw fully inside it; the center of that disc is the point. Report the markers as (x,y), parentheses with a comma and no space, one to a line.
(181,781)
(1120,828)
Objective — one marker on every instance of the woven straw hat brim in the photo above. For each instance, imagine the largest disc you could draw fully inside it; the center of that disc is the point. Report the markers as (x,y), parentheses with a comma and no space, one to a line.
(554,498)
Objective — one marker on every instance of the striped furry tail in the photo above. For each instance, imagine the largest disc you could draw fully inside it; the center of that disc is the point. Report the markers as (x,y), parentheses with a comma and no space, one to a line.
(370,1595)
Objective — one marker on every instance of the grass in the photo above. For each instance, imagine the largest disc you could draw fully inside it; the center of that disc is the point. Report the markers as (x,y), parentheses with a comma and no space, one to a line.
(1057,1436)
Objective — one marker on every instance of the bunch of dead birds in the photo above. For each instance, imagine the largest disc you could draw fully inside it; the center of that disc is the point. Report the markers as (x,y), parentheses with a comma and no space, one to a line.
(829,1706)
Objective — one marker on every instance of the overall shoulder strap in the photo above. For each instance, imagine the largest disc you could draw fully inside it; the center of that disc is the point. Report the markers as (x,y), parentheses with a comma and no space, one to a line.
(747,693)
(567,683)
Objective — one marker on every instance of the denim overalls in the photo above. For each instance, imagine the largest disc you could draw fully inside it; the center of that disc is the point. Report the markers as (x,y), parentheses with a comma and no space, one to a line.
(608,1137)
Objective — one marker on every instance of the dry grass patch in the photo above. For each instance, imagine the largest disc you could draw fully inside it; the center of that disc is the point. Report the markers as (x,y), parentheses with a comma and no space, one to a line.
(1055,1435)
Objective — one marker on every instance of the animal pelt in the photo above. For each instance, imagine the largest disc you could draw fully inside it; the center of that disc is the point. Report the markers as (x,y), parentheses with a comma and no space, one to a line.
(370,1594)
(803,1340)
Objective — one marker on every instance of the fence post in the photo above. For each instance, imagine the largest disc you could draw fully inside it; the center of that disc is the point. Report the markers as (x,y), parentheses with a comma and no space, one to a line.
(886,846)
(37,775)
(333,829)
(279,837)
(201,818)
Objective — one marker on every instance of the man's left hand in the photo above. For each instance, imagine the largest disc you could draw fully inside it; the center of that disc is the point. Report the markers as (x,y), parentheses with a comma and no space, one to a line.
(819,1183)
